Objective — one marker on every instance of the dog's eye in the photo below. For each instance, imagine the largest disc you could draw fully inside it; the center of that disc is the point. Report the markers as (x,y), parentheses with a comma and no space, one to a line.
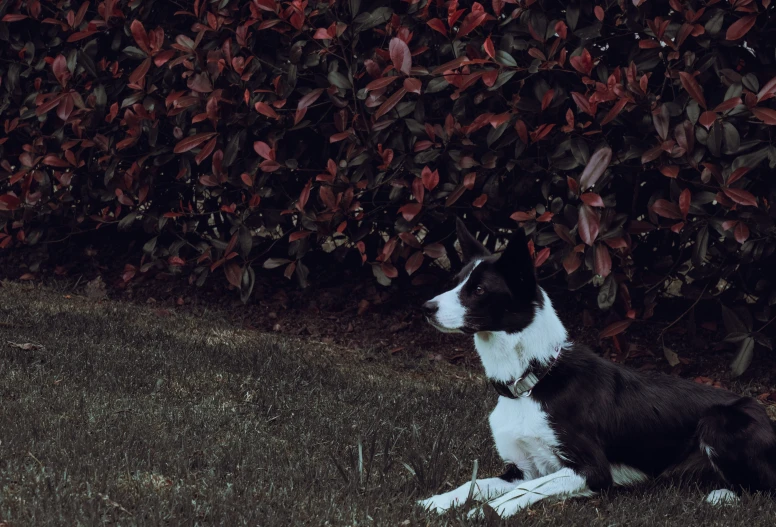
(479,290)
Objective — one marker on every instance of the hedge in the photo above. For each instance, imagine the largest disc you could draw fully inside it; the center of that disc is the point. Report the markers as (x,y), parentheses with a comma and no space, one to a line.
(633,140)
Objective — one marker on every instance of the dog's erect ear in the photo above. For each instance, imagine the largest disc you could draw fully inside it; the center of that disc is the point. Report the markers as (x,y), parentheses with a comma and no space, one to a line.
(517,267)
(470,247)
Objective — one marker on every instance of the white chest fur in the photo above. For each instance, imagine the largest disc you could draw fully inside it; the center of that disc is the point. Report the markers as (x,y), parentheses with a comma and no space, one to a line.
(524,437)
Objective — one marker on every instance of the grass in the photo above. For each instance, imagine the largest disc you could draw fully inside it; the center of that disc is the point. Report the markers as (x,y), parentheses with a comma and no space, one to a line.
(119,414)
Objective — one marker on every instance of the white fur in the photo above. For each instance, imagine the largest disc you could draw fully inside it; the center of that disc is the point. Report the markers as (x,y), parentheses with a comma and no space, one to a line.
(523,436)
(625,476)
(520,427)
(451,314)
(484,489)
(565,483)
(505,356)
(722,497)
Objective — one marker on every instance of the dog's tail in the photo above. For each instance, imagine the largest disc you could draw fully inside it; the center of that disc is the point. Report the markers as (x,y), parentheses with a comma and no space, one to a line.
(739,441)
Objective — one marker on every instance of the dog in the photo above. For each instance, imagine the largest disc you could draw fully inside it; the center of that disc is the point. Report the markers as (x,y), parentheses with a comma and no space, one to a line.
(569,423)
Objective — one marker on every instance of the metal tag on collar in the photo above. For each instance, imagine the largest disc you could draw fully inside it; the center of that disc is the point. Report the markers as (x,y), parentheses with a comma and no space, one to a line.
(522,387)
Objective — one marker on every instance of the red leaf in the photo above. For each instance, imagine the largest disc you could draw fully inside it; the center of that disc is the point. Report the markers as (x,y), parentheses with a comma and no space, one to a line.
(410,210)
(269,165)
(541,257)
(671,171)
(471,23)
(571,262)
(304,196)
(9,202)
(414,262)
(434,250)
(589,223)
(59,67)
(191,142)
(389,270)
(139,74)
(603,260)
(740,27)
(742,197)
(684,202)
(599,13)
(52,161)
(667,209)
(410,240)
(741,232)
(380,83)
(592,199)
(289,271)
(707,119)
(469,180)
(437,25)
(206,151)
(309,99)
(80,35)
(200,83)
(298,235)
(417,190)
(582,63)
(691,86)
(547,99)
(766,115)
(615,111)
(583,103)
(541,132)
(737,174)
(596,166)
(454,196)
(264,150)
(14,18)
(523,216)
(489,48)
(430,179)
(573,185)
(267,110)
(480,201)
(616,328)
(400,55)
(412,85)
(389,104)
(767,91)
(728,105)
(140,35)
(233,273)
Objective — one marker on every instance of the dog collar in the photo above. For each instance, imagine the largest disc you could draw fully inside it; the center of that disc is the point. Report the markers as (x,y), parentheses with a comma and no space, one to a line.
(523,386)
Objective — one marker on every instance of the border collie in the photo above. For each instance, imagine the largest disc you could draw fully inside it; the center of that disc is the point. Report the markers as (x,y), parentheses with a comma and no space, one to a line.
(569,423)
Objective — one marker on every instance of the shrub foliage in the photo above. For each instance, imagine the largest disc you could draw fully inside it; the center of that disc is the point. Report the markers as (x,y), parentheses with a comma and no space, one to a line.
(633,139)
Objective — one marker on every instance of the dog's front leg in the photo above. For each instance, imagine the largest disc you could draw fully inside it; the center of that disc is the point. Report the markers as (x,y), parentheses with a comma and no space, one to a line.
(565,483)
(484,489)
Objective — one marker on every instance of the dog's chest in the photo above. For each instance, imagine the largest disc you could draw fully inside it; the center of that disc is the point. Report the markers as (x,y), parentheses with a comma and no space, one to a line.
(524,437)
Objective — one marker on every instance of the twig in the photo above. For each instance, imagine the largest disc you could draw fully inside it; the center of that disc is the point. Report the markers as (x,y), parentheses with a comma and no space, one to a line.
(683,314)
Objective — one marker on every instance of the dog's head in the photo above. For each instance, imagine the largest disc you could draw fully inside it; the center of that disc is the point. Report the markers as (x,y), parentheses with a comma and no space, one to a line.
(493,292)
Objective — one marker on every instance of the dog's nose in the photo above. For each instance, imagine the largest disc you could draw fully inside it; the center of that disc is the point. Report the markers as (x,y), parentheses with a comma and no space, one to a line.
(430,308)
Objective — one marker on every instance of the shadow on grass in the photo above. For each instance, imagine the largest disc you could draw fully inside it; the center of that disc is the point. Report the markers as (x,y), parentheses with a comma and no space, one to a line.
(115,413)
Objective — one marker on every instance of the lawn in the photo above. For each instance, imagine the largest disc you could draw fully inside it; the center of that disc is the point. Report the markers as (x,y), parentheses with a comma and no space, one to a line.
(132,415)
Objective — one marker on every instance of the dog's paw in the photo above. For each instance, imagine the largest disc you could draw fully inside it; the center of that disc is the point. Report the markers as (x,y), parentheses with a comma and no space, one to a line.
(722,497)
(439,504)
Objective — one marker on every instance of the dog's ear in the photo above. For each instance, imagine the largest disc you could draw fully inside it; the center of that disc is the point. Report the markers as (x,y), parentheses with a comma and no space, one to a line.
(517,267)
(470,247)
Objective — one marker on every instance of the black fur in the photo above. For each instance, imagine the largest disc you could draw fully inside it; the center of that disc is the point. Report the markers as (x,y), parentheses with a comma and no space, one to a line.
(605,414)
(510,292)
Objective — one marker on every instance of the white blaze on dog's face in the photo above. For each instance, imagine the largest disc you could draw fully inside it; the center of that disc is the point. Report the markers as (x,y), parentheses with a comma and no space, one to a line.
(491,293)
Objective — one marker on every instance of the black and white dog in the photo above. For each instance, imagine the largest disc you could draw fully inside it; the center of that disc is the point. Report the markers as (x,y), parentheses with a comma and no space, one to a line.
(569,423)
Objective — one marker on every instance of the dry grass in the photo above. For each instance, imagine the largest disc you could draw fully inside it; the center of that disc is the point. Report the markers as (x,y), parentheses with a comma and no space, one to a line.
(113,413)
